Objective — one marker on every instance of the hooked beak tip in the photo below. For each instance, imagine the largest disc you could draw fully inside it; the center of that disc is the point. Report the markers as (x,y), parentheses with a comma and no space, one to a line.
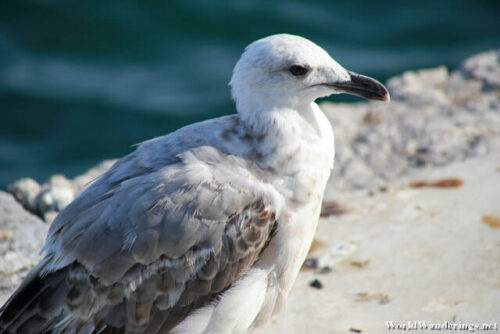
(386,98)
(363,86)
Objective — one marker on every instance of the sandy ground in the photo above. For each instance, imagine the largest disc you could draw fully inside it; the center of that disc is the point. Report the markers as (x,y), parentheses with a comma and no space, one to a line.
(409,254)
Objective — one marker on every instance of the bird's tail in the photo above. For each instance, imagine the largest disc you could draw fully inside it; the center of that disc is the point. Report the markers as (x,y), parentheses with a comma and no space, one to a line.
(37,305)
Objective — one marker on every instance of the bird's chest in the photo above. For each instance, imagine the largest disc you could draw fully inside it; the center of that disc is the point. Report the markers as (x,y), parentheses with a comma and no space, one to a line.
(306,172)
(305,165)
(298,222)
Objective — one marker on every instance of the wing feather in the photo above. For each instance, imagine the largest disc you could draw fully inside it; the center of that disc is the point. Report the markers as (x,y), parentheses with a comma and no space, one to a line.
(148,243)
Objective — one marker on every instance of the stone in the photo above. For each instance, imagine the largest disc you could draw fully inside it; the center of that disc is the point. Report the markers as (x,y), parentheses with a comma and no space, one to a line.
(21,237)
(25,191)
(435,118)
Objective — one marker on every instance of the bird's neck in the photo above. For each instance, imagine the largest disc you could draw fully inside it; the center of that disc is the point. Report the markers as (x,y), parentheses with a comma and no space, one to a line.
(294,137)
(263,117)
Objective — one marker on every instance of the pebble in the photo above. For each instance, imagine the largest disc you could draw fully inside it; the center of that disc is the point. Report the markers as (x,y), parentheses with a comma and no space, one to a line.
(316,283)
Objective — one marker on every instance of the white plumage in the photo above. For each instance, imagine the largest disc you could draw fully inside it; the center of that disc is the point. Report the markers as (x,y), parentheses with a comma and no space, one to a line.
(203,230)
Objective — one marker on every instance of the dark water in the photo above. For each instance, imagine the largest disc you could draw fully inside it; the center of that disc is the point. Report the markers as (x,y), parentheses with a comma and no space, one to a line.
(80,81)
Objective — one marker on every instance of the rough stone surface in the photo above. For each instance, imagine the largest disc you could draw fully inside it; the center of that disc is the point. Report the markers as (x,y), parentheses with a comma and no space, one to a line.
(21,237)
(49,199)
(25,191)
(484,67)
(407,255)
(435,118)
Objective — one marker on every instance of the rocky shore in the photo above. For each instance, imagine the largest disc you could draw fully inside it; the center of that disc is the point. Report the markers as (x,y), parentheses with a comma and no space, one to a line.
(440,124)
(435,118)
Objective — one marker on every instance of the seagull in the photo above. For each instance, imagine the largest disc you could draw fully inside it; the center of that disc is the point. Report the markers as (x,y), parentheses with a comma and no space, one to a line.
(204,230)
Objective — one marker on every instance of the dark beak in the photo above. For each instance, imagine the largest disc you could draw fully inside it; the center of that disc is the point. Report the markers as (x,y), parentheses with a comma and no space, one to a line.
(362,86)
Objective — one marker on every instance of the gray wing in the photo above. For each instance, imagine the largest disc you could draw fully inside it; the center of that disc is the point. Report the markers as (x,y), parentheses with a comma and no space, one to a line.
(147,243)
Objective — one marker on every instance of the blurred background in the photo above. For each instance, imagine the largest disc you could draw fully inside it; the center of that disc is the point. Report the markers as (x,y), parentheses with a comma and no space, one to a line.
(81,81)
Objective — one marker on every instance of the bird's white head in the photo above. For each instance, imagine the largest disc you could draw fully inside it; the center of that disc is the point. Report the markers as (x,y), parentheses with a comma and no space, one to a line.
(287,71)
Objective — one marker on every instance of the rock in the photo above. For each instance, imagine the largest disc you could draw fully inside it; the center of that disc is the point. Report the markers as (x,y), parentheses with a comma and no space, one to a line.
(50,198)
(484,67)
(316,283)
(21,237)
(409,86)
(55,194)
(25,191)
(435,118)
(49,216)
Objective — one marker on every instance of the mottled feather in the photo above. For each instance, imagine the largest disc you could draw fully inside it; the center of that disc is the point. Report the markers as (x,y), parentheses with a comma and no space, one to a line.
(153,244)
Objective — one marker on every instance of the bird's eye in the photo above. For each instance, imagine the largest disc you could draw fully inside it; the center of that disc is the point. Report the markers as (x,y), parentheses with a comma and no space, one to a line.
(298,70)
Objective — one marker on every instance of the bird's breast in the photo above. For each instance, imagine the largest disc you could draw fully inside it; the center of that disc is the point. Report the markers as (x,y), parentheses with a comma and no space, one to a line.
(302,184)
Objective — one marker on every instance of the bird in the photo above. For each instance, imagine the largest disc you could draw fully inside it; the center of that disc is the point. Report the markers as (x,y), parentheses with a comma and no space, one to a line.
(203,230)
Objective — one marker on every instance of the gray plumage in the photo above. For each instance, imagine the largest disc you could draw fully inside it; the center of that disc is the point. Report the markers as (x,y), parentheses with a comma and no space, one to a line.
(154,237)
(203,230)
